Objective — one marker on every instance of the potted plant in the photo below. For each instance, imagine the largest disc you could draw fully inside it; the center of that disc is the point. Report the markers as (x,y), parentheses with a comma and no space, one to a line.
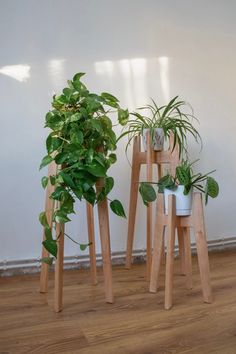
(162,121)
(82,142)
(182,186)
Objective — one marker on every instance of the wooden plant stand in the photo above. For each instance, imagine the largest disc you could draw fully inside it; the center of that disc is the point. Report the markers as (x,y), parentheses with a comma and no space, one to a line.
(184,223)
(105,245)
(148,158)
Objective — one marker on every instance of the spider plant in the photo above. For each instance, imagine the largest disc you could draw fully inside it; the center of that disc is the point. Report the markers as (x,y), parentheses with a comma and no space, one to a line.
(172,118)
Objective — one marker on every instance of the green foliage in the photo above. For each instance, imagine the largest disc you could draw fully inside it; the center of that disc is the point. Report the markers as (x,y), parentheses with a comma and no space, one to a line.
(172,118)
(166,182)
(83,246)
(117,208)
(44,181)
(47,260)
(82,142)
(185,176)
(211,188)
(45,161)
(123,116)
(202,182)
(147,192)
(51,246)
(43,219)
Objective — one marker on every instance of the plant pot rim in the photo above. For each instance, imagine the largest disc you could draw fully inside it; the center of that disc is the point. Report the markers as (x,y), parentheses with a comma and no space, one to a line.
(147,129)
(179,187)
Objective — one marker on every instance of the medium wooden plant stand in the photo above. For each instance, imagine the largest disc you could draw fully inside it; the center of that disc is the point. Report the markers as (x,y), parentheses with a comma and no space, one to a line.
(183,224)
(105,246)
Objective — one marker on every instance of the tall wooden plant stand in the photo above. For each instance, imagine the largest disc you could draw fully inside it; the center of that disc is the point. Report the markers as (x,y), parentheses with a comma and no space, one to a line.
(148,158)
(171,222)
(105,246)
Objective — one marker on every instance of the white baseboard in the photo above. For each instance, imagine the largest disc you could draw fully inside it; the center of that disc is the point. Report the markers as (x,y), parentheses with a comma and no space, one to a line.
(30,266)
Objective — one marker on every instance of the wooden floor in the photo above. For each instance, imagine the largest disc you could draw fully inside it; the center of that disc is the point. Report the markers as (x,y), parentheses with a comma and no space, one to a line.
(136,323)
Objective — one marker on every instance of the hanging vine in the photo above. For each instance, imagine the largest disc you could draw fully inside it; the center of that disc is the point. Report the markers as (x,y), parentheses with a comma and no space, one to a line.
(82,143)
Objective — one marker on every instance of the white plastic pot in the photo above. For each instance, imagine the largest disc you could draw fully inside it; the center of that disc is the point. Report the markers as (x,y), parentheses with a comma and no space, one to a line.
(158,139)
(183,202)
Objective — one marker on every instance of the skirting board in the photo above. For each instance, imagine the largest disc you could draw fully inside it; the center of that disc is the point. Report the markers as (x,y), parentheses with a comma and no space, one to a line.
(30,266)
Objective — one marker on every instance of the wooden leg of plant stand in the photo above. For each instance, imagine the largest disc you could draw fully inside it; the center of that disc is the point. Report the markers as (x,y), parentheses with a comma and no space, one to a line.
(104,228)
(163,254)
(92,247)
(202,251)
(134,186)
(180,233)
(149,207)
(159,174)
(106,249)
(49,207)
(58,295)
(187,257)
(157,247)
(43,287)
(170,252)
(159,171)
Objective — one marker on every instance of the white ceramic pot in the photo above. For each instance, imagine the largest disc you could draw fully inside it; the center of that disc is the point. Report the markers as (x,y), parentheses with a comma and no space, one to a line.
(158,139)
(183,202)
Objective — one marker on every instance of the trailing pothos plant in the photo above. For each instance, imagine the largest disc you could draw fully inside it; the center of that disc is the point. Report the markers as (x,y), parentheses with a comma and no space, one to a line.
(173,118)
(184,176)
(82,143)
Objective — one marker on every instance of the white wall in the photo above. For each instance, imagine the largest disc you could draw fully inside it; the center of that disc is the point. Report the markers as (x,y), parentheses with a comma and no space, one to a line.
(134,49)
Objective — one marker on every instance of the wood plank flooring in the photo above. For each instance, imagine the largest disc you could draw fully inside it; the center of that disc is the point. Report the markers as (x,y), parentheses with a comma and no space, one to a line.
(135,323)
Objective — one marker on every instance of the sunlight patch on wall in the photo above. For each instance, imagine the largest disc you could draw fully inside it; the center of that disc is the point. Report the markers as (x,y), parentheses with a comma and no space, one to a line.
(56,69)
(139,75)
(137,78)
(124,66)
(104,68)
(18,72)
(164,76)
(132,76)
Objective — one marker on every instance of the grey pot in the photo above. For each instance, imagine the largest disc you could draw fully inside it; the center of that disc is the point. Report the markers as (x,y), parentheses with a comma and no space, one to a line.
(158,139)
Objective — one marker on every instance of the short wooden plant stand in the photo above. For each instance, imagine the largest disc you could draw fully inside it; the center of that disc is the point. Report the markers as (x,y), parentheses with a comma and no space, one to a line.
(148,158)
(105,246)
(183,224)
